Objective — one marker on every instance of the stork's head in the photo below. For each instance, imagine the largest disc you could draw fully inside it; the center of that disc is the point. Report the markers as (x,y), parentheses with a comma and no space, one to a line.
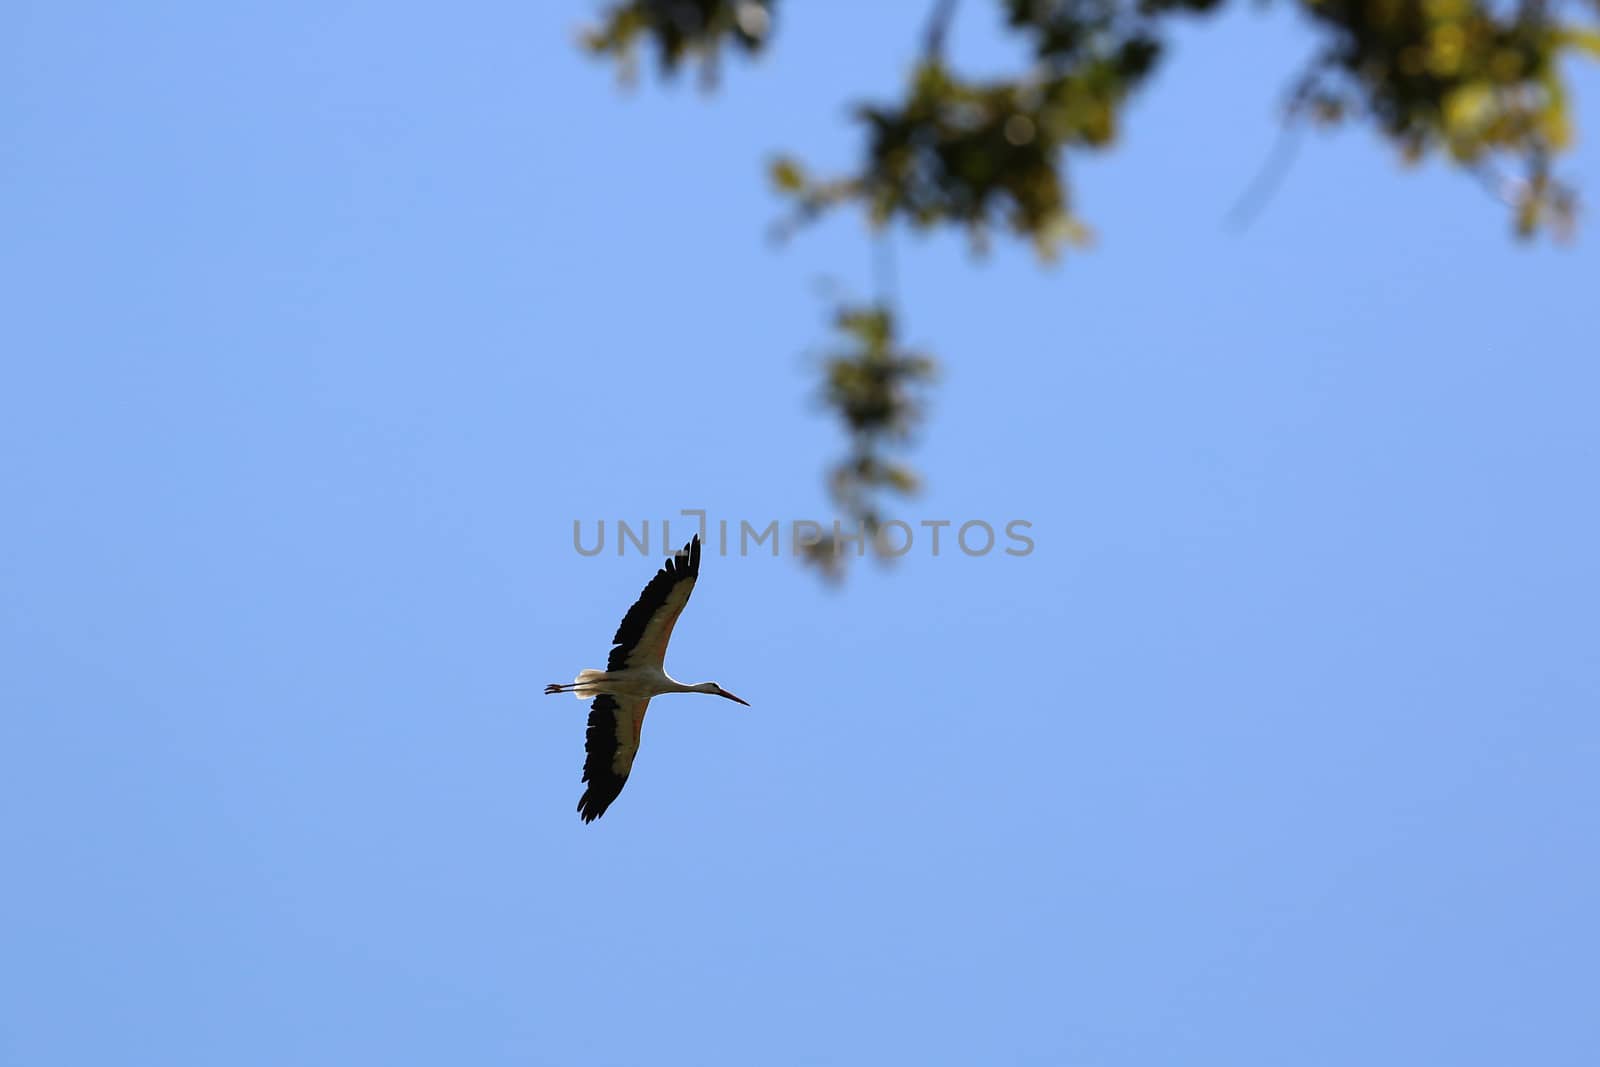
(721,692)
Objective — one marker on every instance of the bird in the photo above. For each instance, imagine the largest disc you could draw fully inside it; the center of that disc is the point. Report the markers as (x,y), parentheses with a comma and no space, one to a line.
(633,677)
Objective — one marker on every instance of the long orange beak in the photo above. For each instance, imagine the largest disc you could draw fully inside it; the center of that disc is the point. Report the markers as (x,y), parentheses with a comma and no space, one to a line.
(730,696)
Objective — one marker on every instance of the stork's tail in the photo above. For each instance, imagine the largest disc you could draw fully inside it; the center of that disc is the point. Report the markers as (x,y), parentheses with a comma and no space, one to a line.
(586,686)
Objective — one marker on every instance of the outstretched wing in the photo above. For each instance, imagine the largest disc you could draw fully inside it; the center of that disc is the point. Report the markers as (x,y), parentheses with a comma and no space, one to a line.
(612,742)
(642,638)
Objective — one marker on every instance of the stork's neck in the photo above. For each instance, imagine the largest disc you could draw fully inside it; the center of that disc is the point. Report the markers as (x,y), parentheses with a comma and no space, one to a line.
(672,685)
(698,687)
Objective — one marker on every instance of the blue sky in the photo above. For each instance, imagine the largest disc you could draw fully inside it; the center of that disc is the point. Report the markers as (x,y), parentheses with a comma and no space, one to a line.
(325,322)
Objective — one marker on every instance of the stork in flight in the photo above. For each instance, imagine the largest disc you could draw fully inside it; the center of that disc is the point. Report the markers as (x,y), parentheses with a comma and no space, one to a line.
(634,675)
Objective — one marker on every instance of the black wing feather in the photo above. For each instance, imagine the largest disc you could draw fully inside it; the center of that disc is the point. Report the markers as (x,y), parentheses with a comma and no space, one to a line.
(684,566)
(600,754)
(605,741)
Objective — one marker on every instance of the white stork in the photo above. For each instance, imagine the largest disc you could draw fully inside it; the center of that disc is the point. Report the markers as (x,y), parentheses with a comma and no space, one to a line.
(634,675)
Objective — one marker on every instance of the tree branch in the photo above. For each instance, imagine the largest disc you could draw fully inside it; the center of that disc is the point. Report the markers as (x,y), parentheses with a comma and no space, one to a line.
(938,26)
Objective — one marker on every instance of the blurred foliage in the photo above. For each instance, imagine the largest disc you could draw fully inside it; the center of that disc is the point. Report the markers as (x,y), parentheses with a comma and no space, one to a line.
(1478,80)
(680,30)
(1477,83)
(876,387)
(982,155)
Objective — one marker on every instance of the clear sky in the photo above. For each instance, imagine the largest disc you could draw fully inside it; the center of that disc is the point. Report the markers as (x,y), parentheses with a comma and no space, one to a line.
(324,322)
